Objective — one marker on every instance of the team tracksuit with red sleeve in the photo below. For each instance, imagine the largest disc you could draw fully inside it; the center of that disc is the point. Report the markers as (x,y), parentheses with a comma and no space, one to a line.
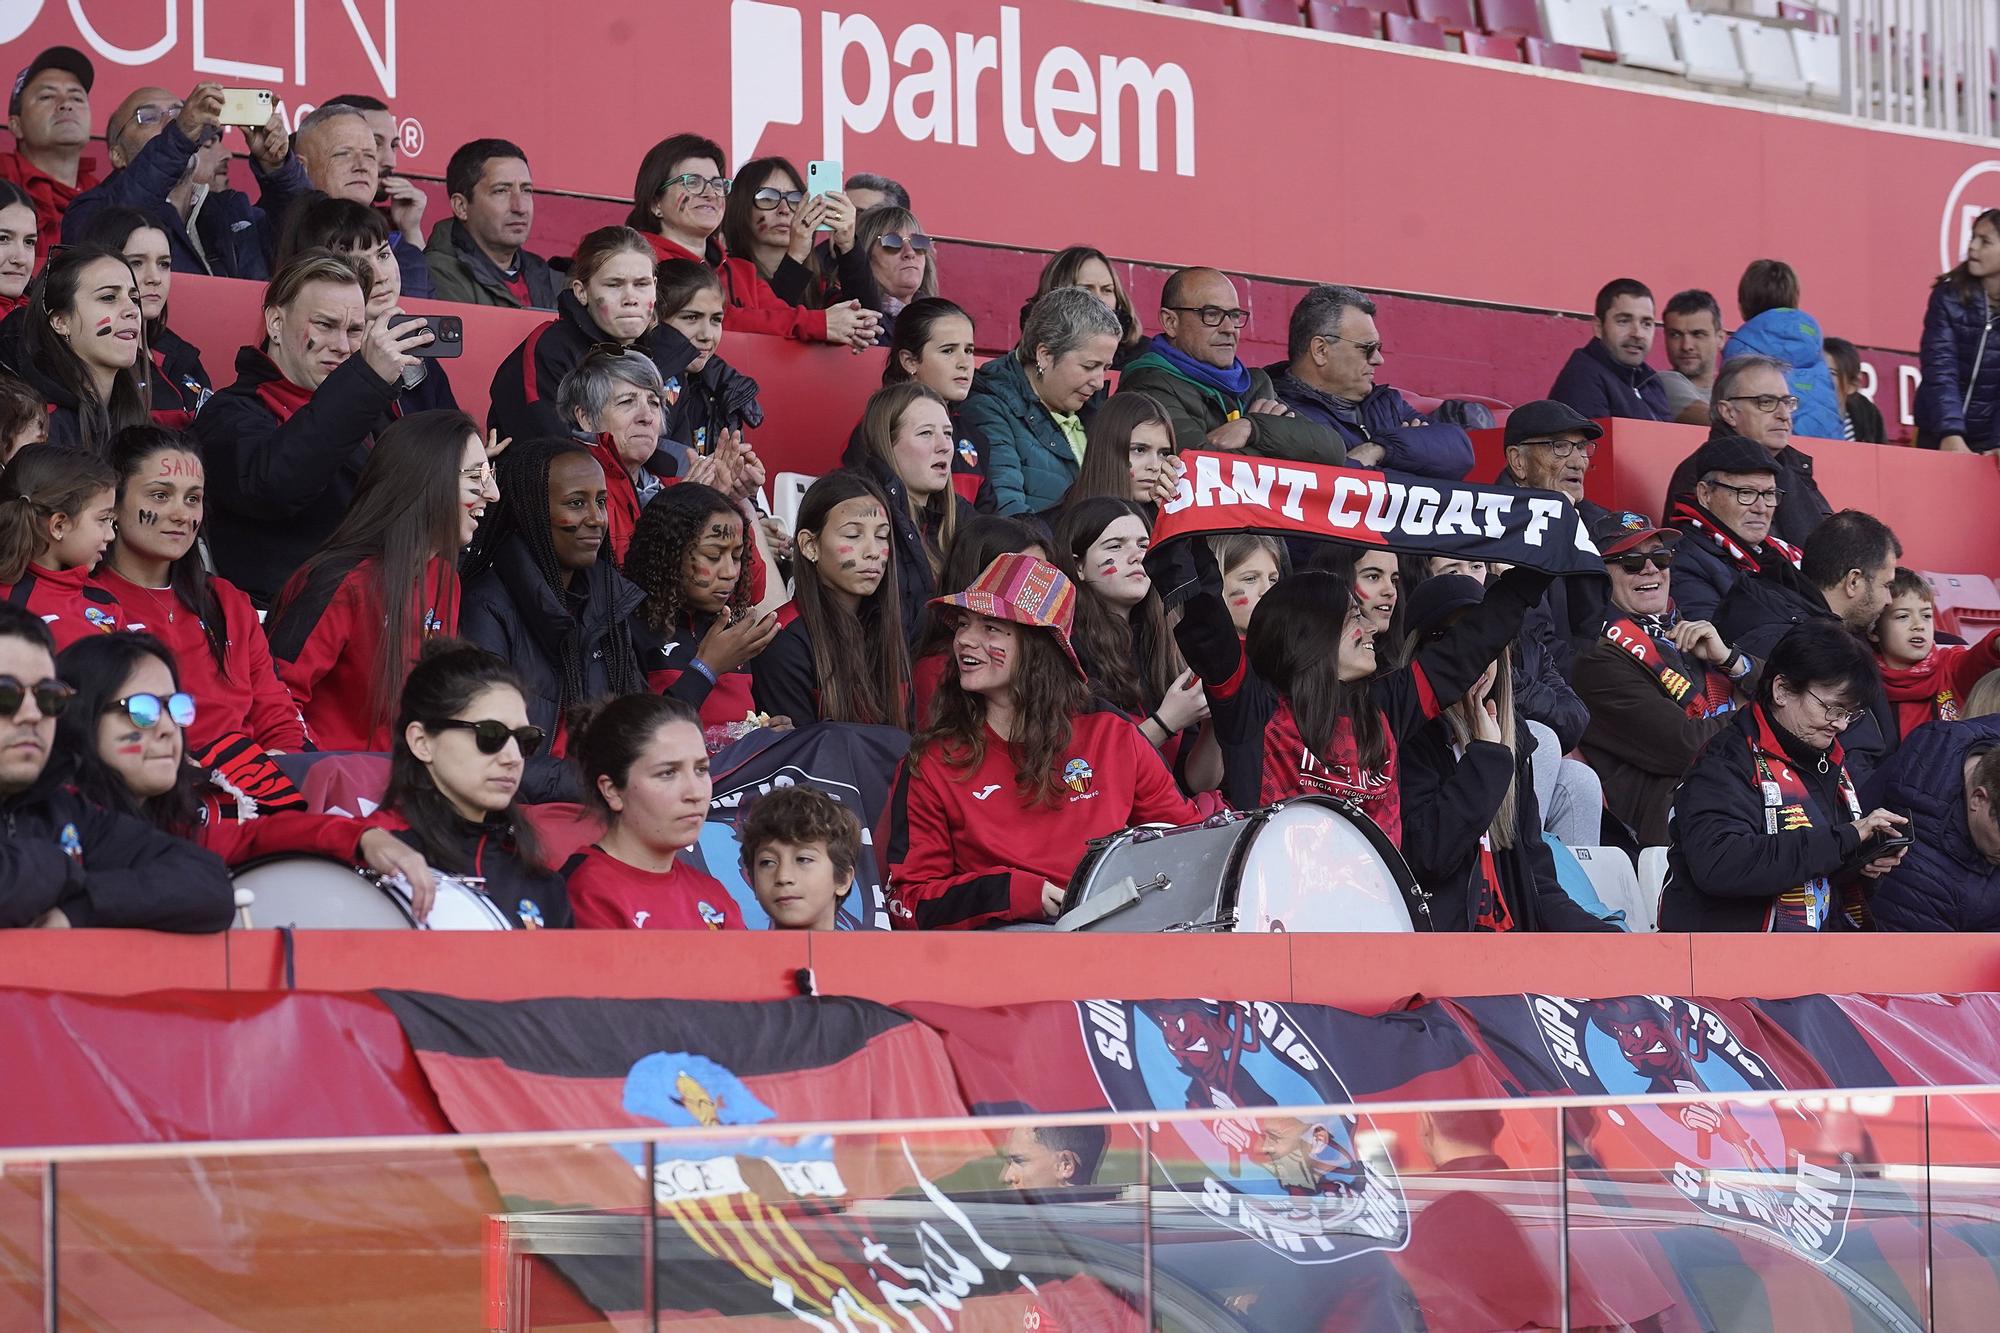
(749,304)
(68,602)
(523,396)
(965,850)
(607,894)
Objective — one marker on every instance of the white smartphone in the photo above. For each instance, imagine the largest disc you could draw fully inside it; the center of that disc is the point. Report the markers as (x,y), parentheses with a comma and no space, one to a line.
(248,107)
(822,176)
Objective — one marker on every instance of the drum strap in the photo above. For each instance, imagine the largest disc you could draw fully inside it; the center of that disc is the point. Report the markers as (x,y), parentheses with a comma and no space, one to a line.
(1493,911)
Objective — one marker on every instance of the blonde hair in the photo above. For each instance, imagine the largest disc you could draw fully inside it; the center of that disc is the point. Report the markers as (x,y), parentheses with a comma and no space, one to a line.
(1983,699)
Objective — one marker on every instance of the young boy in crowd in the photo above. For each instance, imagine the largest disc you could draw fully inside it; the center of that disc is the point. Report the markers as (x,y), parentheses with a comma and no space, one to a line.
(1925,680)
(799,851)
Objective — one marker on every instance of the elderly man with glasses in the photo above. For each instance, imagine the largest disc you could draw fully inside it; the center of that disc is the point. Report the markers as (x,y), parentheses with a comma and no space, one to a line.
(1334,349)
(1726,523)
(1215,401)
(1753,399)
(1658,683)
(171,159)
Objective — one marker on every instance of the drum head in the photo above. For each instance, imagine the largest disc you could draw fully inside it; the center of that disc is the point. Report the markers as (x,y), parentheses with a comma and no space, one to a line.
(309,893)
(1314,867)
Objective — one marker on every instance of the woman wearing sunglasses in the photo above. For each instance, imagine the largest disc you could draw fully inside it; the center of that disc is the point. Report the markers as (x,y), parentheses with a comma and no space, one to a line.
(351,620)
(123,736)
(679,199)
(65,861)
(891,263)
(463,742)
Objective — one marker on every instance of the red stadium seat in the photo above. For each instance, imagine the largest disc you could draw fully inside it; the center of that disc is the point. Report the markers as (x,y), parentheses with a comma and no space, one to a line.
(1967,604)
(1270,11)
(1414,32)
(1552,55)
(1383,6)
(1207,6)
(1512,18)
(1352,20)
(1493,48)
(1454,16)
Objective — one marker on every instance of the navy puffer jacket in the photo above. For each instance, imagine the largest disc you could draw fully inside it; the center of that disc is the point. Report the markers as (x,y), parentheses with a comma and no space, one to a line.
(1953,362)
(1943,883)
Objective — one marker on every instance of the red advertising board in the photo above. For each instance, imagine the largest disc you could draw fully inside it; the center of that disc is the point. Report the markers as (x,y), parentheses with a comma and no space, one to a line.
(1151,131)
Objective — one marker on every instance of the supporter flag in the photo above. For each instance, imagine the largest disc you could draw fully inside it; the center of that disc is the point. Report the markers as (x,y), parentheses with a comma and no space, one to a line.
(859,1231)
(1224,493)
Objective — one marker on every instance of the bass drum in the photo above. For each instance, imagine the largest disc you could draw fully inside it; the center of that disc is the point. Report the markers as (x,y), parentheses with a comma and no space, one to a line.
(312,893)
(1307,864)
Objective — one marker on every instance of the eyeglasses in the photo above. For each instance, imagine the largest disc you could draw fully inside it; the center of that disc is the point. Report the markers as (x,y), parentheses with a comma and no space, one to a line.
(1564,448)
(479,476)
(1634,562)
(51,696)
(1749,498)
(492,735)
(696,183)
(146,115)
(1369,351)
(1767,402)
(916,240)
(770,197)
(1213,315)
(144,710)
(1836,716)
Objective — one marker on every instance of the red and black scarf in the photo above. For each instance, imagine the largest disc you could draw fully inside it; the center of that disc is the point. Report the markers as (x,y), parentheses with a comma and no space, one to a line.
(1694,519)
(1789,805)
(283,397)
(1638,637)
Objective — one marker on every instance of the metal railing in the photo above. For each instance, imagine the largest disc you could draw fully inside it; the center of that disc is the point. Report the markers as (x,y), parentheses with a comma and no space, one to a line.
(1928,64)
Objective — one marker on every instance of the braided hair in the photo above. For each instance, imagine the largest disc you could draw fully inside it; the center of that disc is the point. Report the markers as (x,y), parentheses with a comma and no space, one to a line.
(523,515)
(662,540)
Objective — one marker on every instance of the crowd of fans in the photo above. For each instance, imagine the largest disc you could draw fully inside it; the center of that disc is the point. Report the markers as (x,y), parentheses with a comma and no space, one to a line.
(581,598)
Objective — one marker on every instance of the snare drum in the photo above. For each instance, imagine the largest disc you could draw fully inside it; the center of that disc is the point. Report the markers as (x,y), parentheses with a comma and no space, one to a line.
(1306,864)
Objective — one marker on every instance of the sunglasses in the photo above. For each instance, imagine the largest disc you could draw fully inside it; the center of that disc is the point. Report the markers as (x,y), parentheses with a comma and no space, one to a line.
(1638,560)
(51,696)
(916,240)
(492,735)
(144,710)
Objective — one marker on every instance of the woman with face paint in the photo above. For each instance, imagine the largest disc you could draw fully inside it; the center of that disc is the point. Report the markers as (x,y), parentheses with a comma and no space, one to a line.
(352,620)
(612,301)
(172,376)
(840,655)
(544,598)
(906,450)
(1019,767)
(1121,628)
(699,628)
(81,343)
(983,539)
(1251,566)
(58,513)
(711,405)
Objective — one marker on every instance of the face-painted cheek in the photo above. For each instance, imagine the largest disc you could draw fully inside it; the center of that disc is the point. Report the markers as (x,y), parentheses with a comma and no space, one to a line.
(148,518)
(132,751)
(104,327)
(997,656)
(1239,599)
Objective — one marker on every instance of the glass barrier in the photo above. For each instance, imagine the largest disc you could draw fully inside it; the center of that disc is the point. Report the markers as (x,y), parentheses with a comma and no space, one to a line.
(1740,1211)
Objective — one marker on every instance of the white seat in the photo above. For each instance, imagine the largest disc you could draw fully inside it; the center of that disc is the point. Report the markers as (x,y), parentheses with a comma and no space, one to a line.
(1708,47)
(1818,54)
(1652,883)
(789,488)
(1578,23)
(1667,7)
(1769,58)
(1644,40)
(1611,874)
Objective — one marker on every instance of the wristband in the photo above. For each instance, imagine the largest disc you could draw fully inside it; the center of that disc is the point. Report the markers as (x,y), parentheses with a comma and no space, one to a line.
(1738,666)
(1154,718)
(704,668)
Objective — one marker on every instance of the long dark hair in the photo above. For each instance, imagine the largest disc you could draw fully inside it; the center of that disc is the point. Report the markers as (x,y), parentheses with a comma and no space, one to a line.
(1959,277)
(1294,646)
(405,514)
(913,331)
(38,483)
(936,516)
(98,667)
(738,235)
(1132,659)
(1106,469)
(665,534)
(187,576)
(51,354)
(609,740)
(451,674)
(861,657)
(523,516)
(1048,694)
(983,537)
(110,228)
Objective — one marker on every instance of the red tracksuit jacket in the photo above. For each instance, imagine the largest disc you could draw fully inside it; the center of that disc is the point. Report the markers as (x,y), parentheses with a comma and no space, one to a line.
(325,641)
(749,304)
(72,606)
(242,695)
(1936,687)
(607,894)
(965,851)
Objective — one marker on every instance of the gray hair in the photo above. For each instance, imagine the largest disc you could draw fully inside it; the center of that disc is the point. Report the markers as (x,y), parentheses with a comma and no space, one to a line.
(1063,321)
(588,389)
(1319,312)
(892,192)
(323,115)
(1733,370)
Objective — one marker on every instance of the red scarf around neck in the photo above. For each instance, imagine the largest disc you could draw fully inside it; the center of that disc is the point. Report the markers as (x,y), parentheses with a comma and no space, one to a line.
(1716,694)
(1705,528)
(1789,805)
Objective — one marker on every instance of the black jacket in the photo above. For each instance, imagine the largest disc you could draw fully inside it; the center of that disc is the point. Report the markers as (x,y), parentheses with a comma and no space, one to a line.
(237,237)
(1866,419)
(1598,386)
(523,404)
(1799,512)
(534,897)
(704,403)
(1723,868)
(1542,693)
(104,869)
(176,381)
(1944,881)
(1703,575)
(276,490)
(1449,802)
(915,584)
